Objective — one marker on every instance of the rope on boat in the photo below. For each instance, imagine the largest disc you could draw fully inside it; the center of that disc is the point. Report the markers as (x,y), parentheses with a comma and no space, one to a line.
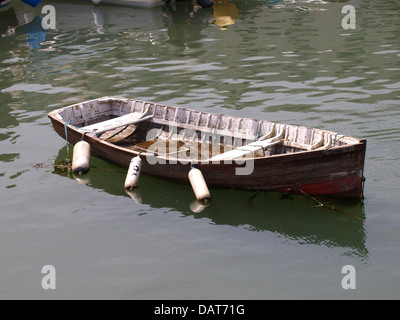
(319,203)
(64,165)
(363,187)
(333,208)
(83,135)
(66,136)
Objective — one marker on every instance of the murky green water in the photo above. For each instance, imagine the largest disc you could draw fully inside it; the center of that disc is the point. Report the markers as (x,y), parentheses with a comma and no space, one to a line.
(287,61)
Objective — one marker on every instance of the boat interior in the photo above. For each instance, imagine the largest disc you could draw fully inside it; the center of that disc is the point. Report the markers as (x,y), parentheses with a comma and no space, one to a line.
(175,132)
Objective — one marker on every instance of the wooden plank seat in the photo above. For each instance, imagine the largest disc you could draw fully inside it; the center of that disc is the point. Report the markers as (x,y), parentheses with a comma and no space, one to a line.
(261,144)
(112,124)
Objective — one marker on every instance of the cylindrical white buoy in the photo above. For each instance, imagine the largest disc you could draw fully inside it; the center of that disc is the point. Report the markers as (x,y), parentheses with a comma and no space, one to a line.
(81,157)
(199,185)
(132,178)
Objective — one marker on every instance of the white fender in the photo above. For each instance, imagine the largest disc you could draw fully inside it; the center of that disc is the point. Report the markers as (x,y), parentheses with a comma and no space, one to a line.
(199,185)
(132,177)
(81,157)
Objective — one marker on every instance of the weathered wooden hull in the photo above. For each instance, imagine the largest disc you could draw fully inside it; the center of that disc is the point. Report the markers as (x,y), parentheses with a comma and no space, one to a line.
(335,171)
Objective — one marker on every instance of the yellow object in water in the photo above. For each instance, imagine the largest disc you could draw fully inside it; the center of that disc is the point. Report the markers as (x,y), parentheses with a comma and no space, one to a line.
(225,14)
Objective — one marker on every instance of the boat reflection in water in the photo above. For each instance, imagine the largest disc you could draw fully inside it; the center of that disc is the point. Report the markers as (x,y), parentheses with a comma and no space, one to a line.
(295,219)
(177,17)
(8,20)
(27,24)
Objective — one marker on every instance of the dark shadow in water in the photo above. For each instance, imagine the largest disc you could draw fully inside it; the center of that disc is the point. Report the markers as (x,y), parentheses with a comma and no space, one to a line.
(295,219)
(184,22)
(8,20)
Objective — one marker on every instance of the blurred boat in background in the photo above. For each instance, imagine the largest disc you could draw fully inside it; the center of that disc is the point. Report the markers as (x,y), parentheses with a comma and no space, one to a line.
(139,3)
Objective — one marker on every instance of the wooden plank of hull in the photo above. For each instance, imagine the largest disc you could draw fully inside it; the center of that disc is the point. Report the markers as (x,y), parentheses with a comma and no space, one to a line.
(334,171)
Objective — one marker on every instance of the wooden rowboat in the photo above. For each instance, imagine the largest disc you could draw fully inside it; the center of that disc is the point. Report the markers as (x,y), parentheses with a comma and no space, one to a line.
(233,152)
